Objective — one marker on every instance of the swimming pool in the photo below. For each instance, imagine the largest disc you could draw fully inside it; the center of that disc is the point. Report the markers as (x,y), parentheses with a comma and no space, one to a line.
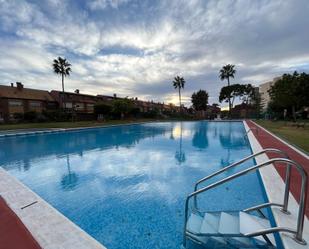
(126,185)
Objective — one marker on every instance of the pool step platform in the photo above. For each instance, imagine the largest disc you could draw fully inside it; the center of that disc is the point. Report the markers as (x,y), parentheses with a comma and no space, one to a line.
(227,230)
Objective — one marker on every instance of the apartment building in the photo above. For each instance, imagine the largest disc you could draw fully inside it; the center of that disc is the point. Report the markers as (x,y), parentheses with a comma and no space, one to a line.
(264,91)
(17,99)
(76,101)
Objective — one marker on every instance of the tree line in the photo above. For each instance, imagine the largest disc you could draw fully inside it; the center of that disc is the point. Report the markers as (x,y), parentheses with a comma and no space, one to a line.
(246,93)
(289,96)
(199,99)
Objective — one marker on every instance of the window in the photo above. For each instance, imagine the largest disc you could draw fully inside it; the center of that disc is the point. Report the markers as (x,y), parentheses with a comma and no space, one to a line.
(90,107)
(79,106)
(15,103)
(68,105)
(35,104)
(51,105)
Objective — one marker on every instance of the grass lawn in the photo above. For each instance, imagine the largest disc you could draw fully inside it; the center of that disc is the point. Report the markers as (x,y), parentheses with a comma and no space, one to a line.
(67,124)
(290,133)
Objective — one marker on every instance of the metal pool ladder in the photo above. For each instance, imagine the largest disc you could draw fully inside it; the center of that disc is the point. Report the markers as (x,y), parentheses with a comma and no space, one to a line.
(238,227)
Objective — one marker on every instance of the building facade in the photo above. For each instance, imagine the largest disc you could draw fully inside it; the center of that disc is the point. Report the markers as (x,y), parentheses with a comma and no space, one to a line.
(75,101)
(17,100)
(264,92)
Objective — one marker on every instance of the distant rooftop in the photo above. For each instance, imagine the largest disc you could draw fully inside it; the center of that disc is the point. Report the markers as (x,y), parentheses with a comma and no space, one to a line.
(19,92)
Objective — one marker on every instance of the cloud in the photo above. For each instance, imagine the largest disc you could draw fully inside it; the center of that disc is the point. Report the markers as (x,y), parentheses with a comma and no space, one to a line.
(136,48)
(103,4)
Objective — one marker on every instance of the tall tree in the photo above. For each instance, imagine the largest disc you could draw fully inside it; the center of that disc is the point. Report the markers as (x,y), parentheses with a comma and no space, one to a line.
(226,72)
(290,93)
(63,67)
(178,83)
(243,92)
(200,100)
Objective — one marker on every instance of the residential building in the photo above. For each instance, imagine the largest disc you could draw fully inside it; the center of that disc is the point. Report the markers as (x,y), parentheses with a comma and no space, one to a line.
(211,112)
(19,100)
(76,101)
(264,91)
(106,98)
(147,106)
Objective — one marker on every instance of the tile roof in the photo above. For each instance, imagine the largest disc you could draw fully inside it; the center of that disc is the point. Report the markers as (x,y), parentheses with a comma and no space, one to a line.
(24,93)
(76,97)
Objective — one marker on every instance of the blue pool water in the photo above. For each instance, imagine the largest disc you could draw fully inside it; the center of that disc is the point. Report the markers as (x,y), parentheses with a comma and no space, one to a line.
(126,185)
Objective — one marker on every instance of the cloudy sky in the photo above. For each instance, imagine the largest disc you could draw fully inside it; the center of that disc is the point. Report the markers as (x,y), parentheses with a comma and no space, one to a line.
(136,47)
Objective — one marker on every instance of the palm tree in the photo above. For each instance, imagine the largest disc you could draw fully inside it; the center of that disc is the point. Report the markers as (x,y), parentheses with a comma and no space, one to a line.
(63,67)
(226,72)
(180,154)
(179,82)
(69,181)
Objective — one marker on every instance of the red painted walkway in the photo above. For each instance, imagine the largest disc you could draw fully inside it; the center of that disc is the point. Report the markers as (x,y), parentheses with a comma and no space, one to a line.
(13,233)
(268,141)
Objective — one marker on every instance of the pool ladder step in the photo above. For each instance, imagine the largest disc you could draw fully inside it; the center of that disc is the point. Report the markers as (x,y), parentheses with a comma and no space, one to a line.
(228,228)
(243,227)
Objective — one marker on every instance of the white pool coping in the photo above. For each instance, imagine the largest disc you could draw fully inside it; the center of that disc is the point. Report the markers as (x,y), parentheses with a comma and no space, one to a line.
(49,227)
(274,186)
(24,132)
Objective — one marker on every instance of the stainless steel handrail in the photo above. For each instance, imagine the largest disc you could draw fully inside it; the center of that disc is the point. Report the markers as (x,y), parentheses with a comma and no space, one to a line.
(287,181)
(264,205)
(302,203)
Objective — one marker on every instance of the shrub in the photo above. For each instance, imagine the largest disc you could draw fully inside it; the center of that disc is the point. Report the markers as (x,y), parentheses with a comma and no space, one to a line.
(151,114)
(30,116)
(167,112)
(102,108)
(135,112)
(121,107)
(58,115)
(41,118)
(18,116)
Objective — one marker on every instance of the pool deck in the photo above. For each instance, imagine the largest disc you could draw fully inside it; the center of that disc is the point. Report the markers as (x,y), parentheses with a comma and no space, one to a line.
(49,228)
(11,227)
(272,178)
(269,140)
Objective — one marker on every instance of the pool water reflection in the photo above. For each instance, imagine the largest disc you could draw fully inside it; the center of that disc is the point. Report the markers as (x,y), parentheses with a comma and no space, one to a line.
(126,185)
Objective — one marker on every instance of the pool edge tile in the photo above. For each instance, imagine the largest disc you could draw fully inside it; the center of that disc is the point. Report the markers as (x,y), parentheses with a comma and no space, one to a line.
(48,226)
